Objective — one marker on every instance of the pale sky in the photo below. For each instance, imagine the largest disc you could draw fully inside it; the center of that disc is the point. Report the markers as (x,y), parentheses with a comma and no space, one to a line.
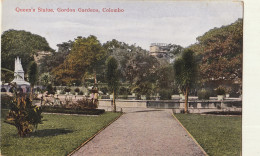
(141,22)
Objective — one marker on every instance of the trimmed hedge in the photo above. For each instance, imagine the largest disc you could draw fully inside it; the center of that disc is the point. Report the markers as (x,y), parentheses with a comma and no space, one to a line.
(49,109)
(224,113)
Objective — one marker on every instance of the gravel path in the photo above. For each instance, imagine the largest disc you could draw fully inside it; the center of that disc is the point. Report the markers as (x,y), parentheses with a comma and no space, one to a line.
(142,132)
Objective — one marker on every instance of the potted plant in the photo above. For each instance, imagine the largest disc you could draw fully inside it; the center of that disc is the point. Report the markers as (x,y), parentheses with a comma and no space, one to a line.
(220,93)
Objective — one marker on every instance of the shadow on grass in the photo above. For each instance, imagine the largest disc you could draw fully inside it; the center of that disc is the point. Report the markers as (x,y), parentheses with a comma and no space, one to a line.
(50,132)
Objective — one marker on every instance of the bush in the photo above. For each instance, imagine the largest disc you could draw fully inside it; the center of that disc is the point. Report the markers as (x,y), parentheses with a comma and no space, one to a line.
(67,89)
(72,111)
(165,94)
(86,104)
(81,93)
(76,90)
(220,90)
(23,115)
(50,89)
(203,94)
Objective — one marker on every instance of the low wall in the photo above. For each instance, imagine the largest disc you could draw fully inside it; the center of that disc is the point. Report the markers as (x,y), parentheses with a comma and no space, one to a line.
(123,103)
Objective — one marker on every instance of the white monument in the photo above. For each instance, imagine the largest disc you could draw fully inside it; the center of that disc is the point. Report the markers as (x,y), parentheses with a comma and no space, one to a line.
(19,73)
(18,78)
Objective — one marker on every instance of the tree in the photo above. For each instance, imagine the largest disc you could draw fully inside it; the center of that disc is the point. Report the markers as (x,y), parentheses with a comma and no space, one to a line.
(112,77)
(23,44)
(32,75)
(221,50)
(185,72)
(87,55)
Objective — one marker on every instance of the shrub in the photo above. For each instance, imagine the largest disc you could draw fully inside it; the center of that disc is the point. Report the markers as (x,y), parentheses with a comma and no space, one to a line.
(23,115)
(86,104)
(50,89)
(165,94)
(76,90)
(203,94)
(72,111)
(220,90)
(67,89)
(81,93)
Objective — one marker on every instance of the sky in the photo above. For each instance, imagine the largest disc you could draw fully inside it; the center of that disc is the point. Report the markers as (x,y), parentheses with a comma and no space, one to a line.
(141,23)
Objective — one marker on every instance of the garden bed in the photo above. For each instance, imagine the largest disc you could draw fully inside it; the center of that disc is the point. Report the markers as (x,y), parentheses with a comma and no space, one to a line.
(49,109)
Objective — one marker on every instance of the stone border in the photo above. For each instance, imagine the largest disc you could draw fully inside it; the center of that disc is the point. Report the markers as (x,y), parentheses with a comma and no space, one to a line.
(84,143)
(189,134)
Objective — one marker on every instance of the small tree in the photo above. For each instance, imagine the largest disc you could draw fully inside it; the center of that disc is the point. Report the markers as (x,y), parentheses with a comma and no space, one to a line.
(33,76)
(112,76)
(23,114)
(185,72)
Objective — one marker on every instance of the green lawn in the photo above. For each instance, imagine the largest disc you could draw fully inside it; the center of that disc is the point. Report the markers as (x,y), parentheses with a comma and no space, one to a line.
(58,135)
(218,135)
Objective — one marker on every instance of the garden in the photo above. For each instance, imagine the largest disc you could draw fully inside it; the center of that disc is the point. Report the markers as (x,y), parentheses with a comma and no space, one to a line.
(57,135)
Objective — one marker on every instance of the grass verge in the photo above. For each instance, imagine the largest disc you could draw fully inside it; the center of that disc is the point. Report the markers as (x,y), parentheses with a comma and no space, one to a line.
(218,135)
(58,135)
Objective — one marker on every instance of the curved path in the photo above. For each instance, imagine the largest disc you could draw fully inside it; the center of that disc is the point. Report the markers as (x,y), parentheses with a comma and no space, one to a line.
(142,132)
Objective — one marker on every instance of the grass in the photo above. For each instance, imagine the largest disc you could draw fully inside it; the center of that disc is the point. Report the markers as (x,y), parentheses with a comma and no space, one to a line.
(58,135)
(217,135)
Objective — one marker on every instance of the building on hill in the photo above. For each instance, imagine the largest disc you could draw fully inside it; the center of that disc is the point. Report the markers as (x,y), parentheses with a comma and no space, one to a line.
(160,50)
(39,55)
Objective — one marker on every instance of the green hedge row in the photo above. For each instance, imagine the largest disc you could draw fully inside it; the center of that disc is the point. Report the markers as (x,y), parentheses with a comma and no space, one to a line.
(49,109)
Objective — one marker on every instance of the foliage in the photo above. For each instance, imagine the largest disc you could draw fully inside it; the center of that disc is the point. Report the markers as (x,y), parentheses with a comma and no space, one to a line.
(86,55)
(46,79)
(124,91)
(49,62)
(81,93)
(23,114)
(76,90)
(104,90)
(50,89)
(112,74)
(221,53)
(67,89)
(33,74)
(203,94)
(220,90)
(165,94)
(165,77)
(85,111)
(6,101)
(218,135)
(23,44)
(59,135)
(86,104)
(185,71)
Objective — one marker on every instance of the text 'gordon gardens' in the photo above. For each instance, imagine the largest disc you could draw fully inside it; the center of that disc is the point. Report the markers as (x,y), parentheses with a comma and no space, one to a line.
(39,9)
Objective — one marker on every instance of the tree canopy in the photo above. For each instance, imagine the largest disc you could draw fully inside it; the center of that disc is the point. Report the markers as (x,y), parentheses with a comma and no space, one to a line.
(220,50)
(23,44)
(86,55)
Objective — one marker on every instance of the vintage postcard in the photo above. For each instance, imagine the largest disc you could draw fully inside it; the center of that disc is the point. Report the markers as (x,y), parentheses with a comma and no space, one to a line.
(121,77)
